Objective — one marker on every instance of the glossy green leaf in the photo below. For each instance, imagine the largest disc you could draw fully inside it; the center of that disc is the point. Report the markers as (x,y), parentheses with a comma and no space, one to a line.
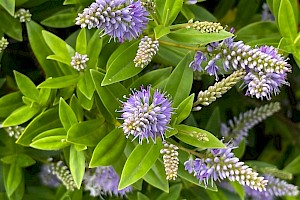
(81,43)
(198,13)
(120,64)
(43,122)
(21,115)
(62,19)
(66,115)
(173,194)
(15,28)
(192,36)
(87,133)
(60,82)
(58,46)
(286,21)
(86,85)
(41,49)
(46,96)
(152,78)
(77,165)
(9,103)
(141,196)
(76,107)
(139,163)
(94,48)
(156,176)
(20,160)
(198,137)
(168,10)
(13,176)
(110,95)
(180,82)
(239,189)
(109,149)
(9,6)
(53,139)
(169,55)
(84,101)
(67,2)
(184,109)
(26,86)
(59,58)
(294,166)
(161,31)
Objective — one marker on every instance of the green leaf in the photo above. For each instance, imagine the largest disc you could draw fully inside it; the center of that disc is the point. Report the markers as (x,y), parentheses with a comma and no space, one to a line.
(9,6)
(198,137)
(10,26)
(286,21)
(86,85)
(239,189)
(76,107)
(180,81)
(67,2)
(21,115)
(46,96)
(109,149)
(139,163)
(62,19)
(94,48)
(141,196)
(110,95)
(53,139)
(214,122)
(87,133)
(152,78)
(66,115)
(58,46)
(26,86)
(81,43)
(168,55)
(156,176)
(43,122)
(84,101)
(9,103)
(294,166)
(168,10)
(13,176)
(184,109)
(173,194)
(120,64)
(20,160)
(239,152)
(198,13)
(192,36)
(59,58)
(161,31)
(41,49)
(60,82)
(77,165)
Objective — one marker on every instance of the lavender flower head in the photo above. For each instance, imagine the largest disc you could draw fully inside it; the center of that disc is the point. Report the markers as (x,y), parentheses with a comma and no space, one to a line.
(104,181)
(198,59)
(120,19)
(220,164)
(146,115)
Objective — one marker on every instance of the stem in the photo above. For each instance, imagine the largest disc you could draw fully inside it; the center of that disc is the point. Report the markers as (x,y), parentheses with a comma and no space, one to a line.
(181,46)
(190,151)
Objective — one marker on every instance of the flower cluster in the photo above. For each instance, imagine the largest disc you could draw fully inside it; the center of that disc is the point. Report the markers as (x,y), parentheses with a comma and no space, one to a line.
(218,89)
(205,27)
(120,19)
(150,5)
(239,126)
(79,61)
(146,50)
(3,44)
(219,164)
(266,69)
(146,115)
(48,178)
(14,131)
(63,174)
(171,161)
(275,188)
(23,15)
(104,181)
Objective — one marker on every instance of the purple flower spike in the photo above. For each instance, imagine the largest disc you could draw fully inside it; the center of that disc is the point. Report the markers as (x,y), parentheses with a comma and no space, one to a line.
(146,115)
(120,19)
(198,59)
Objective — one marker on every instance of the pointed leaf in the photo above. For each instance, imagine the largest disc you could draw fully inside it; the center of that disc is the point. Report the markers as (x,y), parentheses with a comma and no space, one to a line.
(286,20)
(86,85)
(10,26)
(9,6)
(9,103)
(77,165)
(294,166)
(93,49)
(62,19)
(81,43)
(21,160)
(139,163)
(26,86)
(66,115)
(12,177)
(184,109)
(173,194)
(60,82)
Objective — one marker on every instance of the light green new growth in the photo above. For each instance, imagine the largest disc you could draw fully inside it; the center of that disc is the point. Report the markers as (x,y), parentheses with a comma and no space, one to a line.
(218,89)
(205,27)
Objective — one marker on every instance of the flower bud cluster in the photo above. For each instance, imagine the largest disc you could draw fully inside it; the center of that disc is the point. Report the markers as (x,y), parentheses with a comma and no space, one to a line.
(3,44)
(63,174)
(171,161)
(150,5)
(23,15)
(220,164)
(14,131)
(205,27)
(146,50)
(47,177)
(218,89)
(79,61)
(239,126)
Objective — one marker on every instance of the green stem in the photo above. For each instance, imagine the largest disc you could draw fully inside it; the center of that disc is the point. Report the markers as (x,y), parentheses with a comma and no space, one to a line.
(181,46)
